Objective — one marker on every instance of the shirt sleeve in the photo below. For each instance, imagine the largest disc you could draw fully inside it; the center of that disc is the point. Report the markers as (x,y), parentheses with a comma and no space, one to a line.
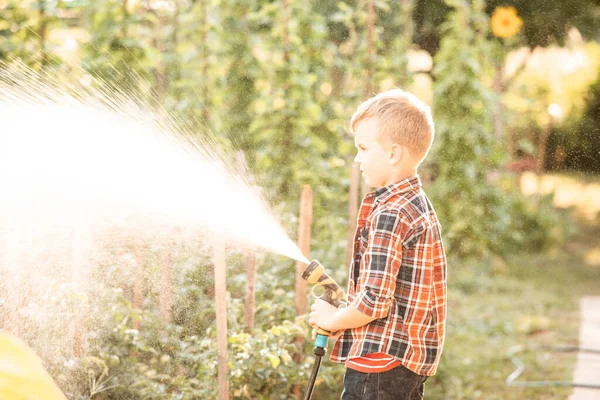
(380,264)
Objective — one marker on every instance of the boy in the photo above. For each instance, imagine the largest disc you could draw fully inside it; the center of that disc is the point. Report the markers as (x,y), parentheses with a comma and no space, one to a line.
(393,327)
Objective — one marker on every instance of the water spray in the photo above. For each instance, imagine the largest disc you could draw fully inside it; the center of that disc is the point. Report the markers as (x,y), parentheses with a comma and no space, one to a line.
(326,289)
(84,169)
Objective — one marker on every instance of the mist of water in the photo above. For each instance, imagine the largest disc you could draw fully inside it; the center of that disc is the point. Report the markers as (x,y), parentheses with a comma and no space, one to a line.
(89,178)
(74,155)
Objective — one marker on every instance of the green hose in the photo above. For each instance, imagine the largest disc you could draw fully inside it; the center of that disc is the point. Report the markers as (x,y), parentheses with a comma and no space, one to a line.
(511,380)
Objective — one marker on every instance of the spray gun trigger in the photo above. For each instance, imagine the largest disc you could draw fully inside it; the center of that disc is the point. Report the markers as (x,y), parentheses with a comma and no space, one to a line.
(318,290)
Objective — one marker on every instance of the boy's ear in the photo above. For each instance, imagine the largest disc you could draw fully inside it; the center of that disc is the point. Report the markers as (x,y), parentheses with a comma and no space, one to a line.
(397,153)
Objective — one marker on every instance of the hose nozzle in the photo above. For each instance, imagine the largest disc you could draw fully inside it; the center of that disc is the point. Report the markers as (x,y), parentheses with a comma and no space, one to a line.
(331,292)
(324,288)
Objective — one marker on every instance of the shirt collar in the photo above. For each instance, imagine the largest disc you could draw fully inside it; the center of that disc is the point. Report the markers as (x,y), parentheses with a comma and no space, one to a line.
(405,185)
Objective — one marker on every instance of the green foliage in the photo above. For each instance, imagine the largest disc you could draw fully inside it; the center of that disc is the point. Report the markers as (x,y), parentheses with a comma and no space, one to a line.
(478,214)
(161,362)
(575,145)
(464,149)
(546,25)
(543,25)
(498,309)
(25,28)
(278,80)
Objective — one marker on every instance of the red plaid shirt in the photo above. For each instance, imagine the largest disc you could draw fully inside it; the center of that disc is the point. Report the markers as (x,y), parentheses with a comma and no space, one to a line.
(399,277)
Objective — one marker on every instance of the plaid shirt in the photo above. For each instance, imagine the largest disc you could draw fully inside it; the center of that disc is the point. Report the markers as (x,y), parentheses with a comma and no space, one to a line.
(399,277)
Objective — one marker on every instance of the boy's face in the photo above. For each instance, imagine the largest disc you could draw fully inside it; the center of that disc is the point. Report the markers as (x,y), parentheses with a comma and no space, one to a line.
(372,156)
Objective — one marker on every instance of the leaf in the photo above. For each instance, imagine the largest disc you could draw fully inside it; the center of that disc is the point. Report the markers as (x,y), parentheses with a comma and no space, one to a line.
(275,361)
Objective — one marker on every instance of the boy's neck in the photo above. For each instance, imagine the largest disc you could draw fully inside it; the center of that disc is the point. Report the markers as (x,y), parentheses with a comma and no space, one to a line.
(401,174)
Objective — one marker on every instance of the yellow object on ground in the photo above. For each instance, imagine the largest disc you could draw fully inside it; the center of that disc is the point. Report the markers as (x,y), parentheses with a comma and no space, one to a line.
(22,375)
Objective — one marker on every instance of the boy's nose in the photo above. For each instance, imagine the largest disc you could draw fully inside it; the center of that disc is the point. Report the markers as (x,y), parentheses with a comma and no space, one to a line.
(356,159)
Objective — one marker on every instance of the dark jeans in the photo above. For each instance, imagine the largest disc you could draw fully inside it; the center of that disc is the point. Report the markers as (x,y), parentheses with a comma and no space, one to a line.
(396,384)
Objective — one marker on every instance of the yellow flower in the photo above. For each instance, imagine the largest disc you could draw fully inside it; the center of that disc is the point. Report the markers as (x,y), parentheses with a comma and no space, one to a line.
(505,22)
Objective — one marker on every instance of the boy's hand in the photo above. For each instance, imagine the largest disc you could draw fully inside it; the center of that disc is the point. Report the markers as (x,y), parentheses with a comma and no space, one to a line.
(322,316)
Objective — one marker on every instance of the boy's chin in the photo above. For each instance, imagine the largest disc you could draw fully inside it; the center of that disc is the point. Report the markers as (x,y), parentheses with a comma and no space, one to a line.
(368,182)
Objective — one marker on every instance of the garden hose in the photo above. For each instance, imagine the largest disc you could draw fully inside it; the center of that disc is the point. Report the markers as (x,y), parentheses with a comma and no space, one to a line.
(319,352)
(511,380)
(334,295)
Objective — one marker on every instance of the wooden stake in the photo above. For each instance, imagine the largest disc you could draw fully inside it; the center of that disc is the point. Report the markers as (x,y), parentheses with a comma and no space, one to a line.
(80,266)
(138,288)
(221,311)
(352,211)
(13,258)
(370,49)
(304,224)
(204,51)
(370,68)
(250,296)
(242,165)
(165,294)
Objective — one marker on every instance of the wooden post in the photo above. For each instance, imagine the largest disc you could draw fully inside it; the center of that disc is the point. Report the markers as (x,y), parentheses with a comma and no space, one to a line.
(304,224)
(250,296)
(165,294)
(138,286)
(80,268)
(242,165)
(370,49)
(204,51)
(352,210)
(12,258)
(221,311)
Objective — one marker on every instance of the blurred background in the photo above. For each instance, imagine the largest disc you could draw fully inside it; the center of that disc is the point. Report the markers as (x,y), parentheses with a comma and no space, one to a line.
(514,175)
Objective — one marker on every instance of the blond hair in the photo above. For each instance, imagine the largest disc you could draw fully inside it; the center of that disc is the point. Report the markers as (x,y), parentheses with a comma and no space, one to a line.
(402,119)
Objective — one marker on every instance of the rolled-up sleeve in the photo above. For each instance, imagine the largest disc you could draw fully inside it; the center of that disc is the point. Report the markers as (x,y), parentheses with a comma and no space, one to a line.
(380,264)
